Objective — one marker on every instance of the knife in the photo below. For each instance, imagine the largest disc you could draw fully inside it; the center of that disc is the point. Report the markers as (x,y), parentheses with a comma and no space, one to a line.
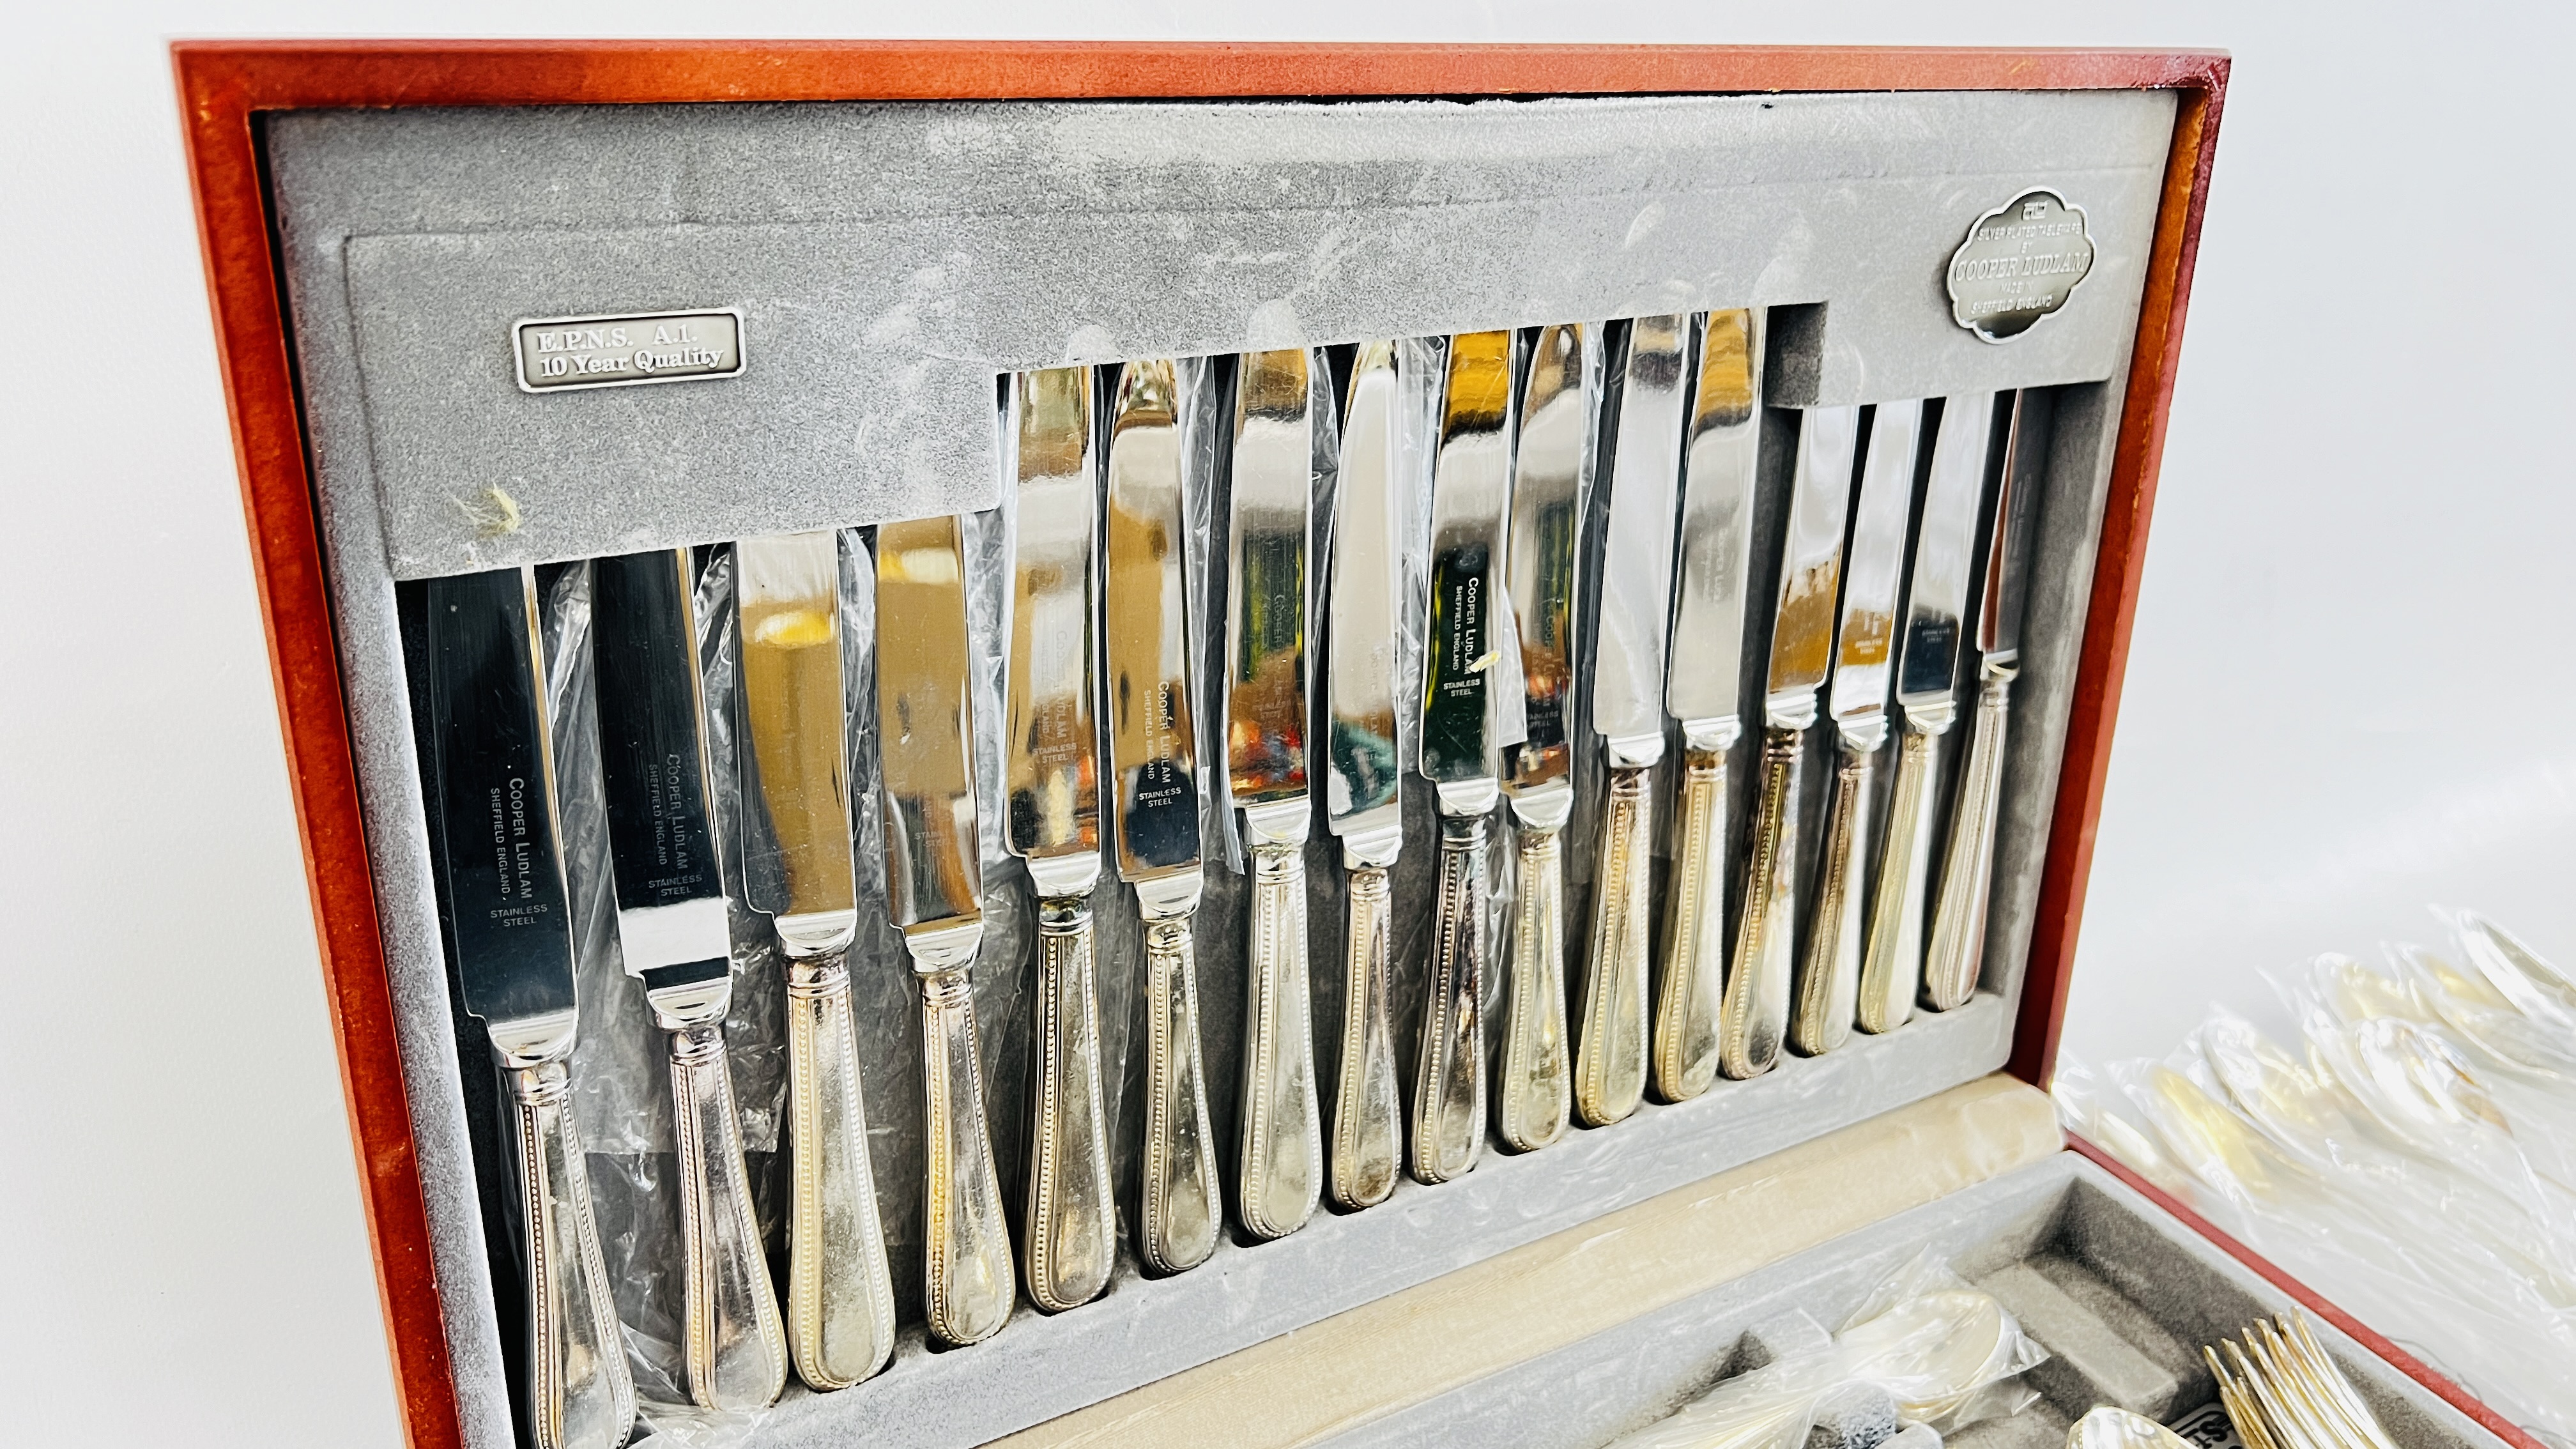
(1628,711)
(1724,448)
(1829,979)
(799,869)
(1051,779)
(671,925)
(1272,505)
(934,885)
(1363,793)
(501,886)
(1958,947)
(1756,1012)
(1470,491)
(1535,1085)
(1155,805)
(1927,676)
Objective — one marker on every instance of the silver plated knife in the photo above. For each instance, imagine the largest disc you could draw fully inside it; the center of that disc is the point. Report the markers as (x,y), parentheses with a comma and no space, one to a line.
(1829,979)
(1535,1084)
(1724,448)
(1154,804)
(1628,711)
(1051,784)
(1958,949)
(1756,1015)
(1363,791)
(672,927)
(501,888)
(799,869)
(1927,682)
(1281,1153)
(1470,494)
(934,888)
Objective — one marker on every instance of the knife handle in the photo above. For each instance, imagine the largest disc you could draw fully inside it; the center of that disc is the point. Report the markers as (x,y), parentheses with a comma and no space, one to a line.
(1449,1090)
(1959,921)
(1282,1142)
(1367,1130)
(580,1395)
(736,1347)
(1686,1008)
(1610,1063)
(968,1244)
(840,1293)
(1536,1090)
(1757,983)
(1892,968)
(1072,1227)
(1181,1207)
(1829,982)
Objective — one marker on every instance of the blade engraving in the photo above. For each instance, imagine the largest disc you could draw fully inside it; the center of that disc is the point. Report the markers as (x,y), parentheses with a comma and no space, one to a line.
(1146,633)
(653,757)
(1469,491)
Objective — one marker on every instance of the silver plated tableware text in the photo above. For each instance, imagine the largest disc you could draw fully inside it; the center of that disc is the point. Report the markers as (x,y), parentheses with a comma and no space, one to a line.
(1154,801)
(492,782)
(1051,789)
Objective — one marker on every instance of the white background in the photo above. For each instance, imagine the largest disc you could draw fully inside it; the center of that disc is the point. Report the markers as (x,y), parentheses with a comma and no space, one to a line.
(2348,693)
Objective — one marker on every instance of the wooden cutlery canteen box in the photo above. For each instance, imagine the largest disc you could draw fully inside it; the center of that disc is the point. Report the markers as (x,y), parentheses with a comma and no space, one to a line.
(1503,1180)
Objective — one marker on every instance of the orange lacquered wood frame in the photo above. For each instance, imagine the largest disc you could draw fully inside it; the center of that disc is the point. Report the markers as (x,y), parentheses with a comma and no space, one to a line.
(224,85)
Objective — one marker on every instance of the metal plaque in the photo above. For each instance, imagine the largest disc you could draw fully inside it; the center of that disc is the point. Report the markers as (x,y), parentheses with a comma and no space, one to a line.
(2021,261)
(559,354)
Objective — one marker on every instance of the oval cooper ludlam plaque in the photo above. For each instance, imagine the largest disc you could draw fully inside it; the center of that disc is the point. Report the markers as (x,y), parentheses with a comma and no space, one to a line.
(2021,261)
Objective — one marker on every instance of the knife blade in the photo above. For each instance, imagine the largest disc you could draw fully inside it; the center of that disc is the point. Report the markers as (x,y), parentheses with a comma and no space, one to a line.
(1154,807)
(934,888)
(1756,1012)
(1628,710)
(1829,979)
(502,893)
(671,925)
(1051,780)
(1957,951)
(1470,492)
(800,870)
(1363,783)
(1926,695)
(1535,1084)
(1281,1153)
(1720,460)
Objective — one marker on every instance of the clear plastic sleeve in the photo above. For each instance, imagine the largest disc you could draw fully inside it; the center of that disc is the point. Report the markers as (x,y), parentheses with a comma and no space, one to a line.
(1945,1352)
(2408,1157)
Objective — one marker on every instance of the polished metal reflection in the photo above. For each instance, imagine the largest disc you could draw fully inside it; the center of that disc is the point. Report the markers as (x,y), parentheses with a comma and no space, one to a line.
(1956,955)
(840,1290)
(1469,496)
(1829,977)
(1927,675)
(1154,804)
(1051,780)
(1756,1014)
(926,748)
(1362,774)
(1628,696)
(1281,1152)
(1719,472)
(1535,1084)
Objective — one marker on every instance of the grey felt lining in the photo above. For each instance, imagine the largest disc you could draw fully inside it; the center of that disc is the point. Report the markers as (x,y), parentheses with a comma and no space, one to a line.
(891,259)
(413,238)
(2064,1218)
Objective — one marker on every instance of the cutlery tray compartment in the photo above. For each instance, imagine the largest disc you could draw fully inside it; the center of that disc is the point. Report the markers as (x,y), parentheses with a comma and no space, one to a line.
(890,261)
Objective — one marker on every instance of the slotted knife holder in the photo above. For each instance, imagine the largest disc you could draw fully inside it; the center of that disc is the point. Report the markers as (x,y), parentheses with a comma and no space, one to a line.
(897,241)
